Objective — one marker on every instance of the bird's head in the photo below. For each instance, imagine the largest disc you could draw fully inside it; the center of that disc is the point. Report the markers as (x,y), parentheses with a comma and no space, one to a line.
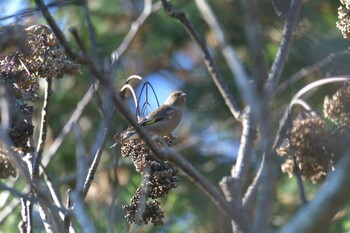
(176,98)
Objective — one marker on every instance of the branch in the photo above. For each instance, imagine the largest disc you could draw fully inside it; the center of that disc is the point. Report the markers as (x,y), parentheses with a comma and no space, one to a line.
(68,126)
(55,197)
(92,34)
(268,169)
(134,29)
(14,191)
(209,62)
(80,213)
(233,186)
(312,68)
(43,128)
(59,34)
(330,199)
(254,35)
(284,48)
(239,171)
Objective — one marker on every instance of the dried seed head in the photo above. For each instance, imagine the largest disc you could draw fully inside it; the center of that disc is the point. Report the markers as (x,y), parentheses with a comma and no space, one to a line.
(337,108)
(343,24)
(159,177)
(306,144)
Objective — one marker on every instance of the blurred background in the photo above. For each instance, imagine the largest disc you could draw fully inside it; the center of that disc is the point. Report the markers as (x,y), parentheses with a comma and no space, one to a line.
(164,55)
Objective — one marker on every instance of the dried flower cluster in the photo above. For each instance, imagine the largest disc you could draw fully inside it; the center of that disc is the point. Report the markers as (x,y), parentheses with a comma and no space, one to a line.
(313,149)
(306,144)
(337,108)
(150,210)
(159,177)
(27,54)
(344,18)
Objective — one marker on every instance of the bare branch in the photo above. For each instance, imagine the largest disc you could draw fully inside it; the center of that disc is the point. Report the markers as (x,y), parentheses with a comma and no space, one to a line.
(328,201)
(92,34)
(80,213)
(239,171)
(254,35)
(59,34)
(43,128)
(284,48)
(81,159)
(134,29)
(68,126)
(310,69)
(209,62)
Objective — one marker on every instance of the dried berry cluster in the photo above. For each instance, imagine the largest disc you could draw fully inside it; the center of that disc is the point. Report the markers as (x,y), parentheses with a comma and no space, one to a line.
(27,54)
(337,108)
(344,18)
(150,210)
(158,179)
(313,149)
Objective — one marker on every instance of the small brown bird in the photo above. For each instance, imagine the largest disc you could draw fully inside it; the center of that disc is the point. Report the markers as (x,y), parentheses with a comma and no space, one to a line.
(163,120)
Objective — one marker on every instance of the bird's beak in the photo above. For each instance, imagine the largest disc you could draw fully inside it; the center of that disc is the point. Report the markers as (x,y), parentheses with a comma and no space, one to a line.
(183,94)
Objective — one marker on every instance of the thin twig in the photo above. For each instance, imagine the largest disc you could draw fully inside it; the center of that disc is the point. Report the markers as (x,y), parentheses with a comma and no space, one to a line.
(100,141)
(14,191)
(284,48)
(134,29)
(54,194)
(317,84)
(310,69)
(254,36)
(59,34)
(92,34)
(27,222)
(81,158)
(68,126)
(68,217)
(297,174)
(47,220)
(209,62)
(80,213)
(104,128)
(252,189)
(239,171)
(114,183)
(43,128)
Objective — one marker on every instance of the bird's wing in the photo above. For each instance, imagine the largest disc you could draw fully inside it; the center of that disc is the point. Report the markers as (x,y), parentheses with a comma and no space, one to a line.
(158,115)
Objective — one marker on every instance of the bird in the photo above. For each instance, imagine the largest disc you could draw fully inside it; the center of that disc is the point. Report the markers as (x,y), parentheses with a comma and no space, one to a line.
(162,121)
